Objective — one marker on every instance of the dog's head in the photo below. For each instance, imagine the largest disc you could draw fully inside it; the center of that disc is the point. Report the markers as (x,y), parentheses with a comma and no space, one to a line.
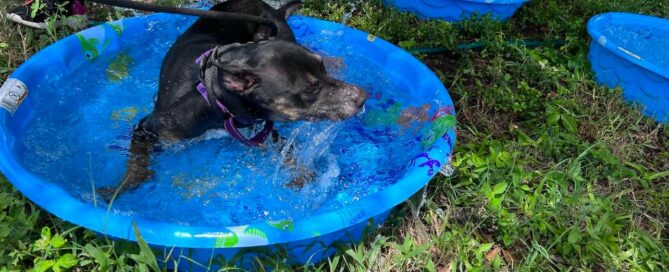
(280,81)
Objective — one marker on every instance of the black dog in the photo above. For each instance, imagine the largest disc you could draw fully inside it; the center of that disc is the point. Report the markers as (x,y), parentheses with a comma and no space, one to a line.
(253,77)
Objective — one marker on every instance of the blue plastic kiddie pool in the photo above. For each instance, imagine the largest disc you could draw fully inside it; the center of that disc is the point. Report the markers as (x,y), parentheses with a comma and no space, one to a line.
(213,200)
(456,10)
(632,51)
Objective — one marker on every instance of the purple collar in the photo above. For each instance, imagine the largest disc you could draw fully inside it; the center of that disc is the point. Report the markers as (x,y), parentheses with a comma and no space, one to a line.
(229,122)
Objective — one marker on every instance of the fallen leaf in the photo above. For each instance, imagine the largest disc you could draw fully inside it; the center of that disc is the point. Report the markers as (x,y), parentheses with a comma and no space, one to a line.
(508,257)
(493,253)
(447,268)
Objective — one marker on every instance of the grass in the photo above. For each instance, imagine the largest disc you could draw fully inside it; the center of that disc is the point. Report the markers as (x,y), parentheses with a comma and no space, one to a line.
(553,172)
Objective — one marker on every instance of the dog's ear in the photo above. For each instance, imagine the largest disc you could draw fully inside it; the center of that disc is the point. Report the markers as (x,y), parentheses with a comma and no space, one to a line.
(289,8)
(233,72)
(238,79)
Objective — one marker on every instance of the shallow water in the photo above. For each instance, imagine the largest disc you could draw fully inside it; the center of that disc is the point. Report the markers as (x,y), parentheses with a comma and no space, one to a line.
(82,123)
(648,43)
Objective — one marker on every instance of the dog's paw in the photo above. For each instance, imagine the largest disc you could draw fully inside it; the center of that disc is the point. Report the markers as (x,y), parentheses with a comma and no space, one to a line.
(136,176)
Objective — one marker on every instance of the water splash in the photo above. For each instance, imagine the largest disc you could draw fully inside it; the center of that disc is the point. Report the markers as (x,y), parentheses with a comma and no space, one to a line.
(283,154)
(318,144)
(347,15)
(417,201)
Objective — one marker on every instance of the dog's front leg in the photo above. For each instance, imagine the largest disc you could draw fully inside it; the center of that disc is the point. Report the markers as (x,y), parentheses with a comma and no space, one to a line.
(141,146)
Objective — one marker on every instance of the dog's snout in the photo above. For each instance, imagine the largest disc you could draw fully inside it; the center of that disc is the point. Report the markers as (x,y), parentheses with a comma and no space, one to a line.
(361,95)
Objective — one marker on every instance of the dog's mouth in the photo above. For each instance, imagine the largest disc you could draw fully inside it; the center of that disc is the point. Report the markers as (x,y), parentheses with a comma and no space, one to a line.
(362,111)
(339,112)
(354,105)
(350,112)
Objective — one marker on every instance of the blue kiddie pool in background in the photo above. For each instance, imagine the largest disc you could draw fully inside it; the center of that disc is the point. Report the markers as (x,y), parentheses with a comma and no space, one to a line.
(70,112)
(632,52)
(456,10)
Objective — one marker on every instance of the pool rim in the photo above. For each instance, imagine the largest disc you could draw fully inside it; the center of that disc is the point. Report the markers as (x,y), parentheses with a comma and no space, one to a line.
(69,208)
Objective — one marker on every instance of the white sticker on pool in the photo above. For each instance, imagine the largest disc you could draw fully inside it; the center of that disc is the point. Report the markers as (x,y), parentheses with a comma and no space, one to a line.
(12,93)
(602,40)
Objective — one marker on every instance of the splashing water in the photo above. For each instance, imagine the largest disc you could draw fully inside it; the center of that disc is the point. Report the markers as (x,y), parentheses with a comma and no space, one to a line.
(348,14)
(417,201)
(79,134)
